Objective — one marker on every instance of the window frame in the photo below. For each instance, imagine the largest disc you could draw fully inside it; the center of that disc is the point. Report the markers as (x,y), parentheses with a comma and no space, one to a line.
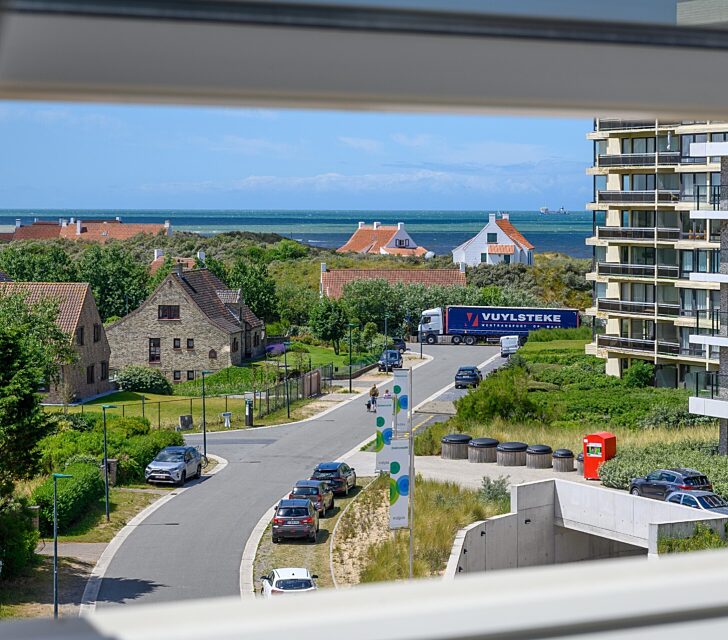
(97,332)
(168,311)
(104,370)
(190,374)
(177,344)
(490,235)
(155,349)
(190,344)
(90,374)
(177,375)
(79,336)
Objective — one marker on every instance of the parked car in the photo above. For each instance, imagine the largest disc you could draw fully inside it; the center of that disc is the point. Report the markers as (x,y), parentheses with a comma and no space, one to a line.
(391,359)
(290,580)
(467,377)
(319,492)
(661,483)
(339,475)
(399,344)
(295,519)
(174,465)
(706,500)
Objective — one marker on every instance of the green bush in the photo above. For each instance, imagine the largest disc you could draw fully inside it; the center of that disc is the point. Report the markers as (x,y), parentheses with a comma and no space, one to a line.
(75,495)
(72,421)
(703,538)
(639,374)
(673,418)
(495,491)
(18,539)
(549,335)
(143,379)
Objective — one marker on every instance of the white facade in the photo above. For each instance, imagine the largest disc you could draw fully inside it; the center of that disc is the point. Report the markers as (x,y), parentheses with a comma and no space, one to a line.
(488,246)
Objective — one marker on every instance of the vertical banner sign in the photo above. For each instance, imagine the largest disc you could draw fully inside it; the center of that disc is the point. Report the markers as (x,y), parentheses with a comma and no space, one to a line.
(399,484)
(383,433)
(403,394)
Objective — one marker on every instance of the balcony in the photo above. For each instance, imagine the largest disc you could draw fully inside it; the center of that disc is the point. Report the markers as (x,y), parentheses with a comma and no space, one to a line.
(711,326)
(709,203)
(612,124)
(709,395)
(638,308)
(653,347)
(637,270)
(650,196)
(650,234)
(666,158)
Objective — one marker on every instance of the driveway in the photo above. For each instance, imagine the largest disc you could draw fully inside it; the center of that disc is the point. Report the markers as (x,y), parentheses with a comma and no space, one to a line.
(191,547)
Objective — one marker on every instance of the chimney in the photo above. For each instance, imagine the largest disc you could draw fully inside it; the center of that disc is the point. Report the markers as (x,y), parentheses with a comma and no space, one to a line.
(167,224)
(201,256)
(78,227)
(35,219)
(376,225)
(400,226)
(323,267)
(64,222)
(462,267)
(118,218)
(18,223)
(491,218)
(361,225)
(72,220)
(178,268)
(158,253)
(505,215)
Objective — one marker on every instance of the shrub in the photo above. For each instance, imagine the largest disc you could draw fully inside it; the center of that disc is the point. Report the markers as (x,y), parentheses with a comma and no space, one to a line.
(18,539)
(75,495)
(495,491)
(703,538)
(72,421)
(673,418)
(143,379)
(639,374)
(549,335)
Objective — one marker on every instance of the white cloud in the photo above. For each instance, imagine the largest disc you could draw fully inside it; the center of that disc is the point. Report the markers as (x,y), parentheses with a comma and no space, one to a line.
(417,141)
(361,144)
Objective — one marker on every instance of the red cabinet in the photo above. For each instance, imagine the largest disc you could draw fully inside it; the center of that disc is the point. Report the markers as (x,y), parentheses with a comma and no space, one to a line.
(598,447)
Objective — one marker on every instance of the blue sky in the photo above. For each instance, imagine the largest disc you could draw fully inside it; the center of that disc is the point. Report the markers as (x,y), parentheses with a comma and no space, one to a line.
(58,156)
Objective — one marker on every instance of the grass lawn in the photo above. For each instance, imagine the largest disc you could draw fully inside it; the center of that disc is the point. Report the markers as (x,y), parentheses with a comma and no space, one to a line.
(319,356)
(300,553)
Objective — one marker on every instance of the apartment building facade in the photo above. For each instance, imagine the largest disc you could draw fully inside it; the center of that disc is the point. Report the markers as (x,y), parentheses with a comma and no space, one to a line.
(652,259)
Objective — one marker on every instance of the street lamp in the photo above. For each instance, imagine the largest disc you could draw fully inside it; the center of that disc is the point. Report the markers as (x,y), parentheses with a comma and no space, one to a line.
(285,369)
(386,333)
(56,476)
(104,407)
(351,326)
(204,414)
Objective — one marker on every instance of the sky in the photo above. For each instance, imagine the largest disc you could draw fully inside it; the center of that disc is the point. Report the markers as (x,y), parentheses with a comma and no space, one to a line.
(94,156)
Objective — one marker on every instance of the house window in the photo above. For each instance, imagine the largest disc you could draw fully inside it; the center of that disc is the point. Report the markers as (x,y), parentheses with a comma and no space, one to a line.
(212,355)
(177,343)
(492,238)
(235,346)
(256,339)
(177,376)
(403,242)
(168,312)
(90,374)
(79,336)
(97,332)
(155,350)
(507,259)
(104,370)
(190,375)
(484,257)
(190,343)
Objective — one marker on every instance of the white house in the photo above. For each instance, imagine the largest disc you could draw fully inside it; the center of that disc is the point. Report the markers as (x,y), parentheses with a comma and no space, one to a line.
(383,240)
(498,241)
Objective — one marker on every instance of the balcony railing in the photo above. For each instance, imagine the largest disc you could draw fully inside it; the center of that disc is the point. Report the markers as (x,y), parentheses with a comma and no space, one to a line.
(707,197)
(710,384)
(659,347)
(638,308)
(610,124)
(637,270)
(639,159)
(639,233)
(712,322)
(664,196)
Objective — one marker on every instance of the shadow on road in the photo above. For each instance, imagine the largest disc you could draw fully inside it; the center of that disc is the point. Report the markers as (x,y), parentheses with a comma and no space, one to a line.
(124,590)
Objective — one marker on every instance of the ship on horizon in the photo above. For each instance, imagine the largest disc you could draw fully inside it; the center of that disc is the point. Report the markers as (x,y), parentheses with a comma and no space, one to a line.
(545,211)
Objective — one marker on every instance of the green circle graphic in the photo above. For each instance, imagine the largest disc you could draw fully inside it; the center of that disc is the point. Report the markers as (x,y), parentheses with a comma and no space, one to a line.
(397,388)
(393,491)
(394,467)
(380,421)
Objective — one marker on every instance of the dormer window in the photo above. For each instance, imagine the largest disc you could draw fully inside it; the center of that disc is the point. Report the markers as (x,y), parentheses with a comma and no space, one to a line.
(402,242)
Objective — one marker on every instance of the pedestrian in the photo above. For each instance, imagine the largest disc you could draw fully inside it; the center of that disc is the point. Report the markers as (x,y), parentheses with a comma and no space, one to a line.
(387,394)
(373,395)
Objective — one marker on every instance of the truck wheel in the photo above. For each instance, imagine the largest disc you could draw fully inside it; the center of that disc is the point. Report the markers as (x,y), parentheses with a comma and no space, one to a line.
(456,339)
(431,340)
(469,340)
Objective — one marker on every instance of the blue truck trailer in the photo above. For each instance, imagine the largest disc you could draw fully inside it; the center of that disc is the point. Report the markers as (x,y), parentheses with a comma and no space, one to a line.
(469,325)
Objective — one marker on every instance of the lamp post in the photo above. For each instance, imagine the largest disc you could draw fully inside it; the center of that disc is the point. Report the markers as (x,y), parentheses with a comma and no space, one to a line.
(351,326)
(204,414)
(285,370)
(386,333)
(104,407)
(56,476)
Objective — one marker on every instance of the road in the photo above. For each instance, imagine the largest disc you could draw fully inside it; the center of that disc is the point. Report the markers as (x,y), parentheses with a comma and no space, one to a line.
(191,547)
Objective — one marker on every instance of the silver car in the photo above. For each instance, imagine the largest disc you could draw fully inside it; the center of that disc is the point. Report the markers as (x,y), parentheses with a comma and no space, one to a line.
(174,465)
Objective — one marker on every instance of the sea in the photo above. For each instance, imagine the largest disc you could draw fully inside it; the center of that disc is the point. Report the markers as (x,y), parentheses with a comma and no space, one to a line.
(438,231)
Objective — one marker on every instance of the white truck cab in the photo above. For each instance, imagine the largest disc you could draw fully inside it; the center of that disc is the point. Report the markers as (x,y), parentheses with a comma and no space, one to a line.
(431,322)
(508,345)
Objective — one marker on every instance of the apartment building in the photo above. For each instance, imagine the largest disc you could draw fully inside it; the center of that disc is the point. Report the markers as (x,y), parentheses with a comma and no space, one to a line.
(653,262)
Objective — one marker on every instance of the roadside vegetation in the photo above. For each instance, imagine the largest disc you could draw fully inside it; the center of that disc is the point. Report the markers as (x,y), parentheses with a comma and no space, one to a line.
(703,538)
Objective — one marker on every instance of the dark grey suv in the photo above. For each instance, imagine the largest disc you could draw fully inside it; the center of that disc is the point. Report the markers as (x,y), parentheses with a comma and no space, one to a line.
(661,483)
(295,519)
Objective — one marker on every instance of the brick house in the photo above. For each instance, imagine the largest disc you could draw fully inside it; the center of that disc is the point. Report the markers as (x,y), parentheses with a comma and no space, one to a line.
(79,318)
(383,240)
(89,230)
(190,323)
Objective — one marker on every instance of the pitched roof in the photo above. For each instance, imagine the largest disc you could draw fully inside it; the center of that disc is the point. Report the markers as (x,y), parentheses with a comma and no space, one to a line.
(69,295)
(334,280)
(513,233)
(215,300)
(187,263)
(103,230)
(39,230)
(501,249)
(374,240)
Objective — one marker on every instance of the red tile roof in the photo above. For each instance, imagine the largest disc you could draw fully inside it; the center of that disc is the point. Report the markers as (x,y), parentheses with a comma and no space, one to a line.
(370,240)
(70,297)
(43,230)
(103,230)
(501,249)
(334,280)
(513,233)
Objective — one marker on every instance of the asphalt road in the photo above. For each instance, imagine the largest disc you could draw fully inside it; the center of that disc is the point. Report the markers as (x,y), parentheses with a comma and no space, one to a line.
(191,547)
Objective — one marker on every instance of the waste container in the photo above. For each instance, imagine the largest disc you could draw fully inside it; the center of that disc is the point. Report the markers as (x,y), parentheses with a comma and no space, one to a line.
(455,446)
(580,464)
(538,456)
(248,413)
(482,450)
(511,454)
(563,460)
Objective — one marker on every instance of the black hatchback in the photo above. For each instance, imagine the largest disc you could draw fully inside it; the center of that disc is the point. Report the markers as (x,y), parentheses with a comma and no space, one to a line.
(661,483)
(468,377)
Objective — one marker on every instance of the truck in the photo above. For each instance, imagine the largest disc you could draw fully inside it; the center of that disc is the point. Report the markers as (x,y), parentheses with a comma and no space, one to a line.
(469,325)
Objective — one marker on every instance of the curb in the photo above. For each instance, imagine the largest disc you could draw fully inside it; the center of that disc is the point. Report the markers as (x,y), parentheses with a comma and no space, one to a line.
(93,583)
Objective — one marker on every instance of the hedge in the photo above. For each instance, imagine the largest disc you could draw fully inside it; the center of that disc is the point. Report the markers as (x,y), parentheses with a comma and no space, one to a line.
(75,495)
(18,539)
(143,379)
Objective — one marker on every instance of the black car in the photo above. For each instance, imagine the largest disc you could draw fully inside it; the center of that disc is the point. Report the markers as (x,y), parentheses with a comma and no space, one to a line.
(468,377)
(399,344)
(319,492)
(661,483)
(391,359)
(295,519)
(339,475)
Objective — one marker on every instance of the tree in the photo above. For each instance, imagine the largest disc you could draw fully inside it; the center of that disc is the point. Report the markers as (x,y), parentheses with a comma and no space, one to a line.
(37,262)
(118,280)
(328,321)
(258,288)
(156,278)
(295,303)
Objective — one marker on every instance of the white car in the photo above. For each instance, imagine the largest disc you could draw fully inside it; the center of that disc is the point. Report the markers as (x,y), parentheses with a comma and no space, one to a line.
(289,580)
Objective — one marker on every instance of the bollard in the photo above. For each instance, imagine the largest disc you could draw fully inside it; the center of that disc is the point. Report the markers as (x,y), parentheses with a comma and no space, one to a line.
(113,470)
(34,510)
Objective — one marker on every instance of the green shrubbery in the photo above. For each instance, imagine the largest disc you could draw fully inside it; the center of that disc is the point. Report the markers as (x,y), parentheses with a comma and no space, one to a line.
(549,335)
(18,539)
(143,379)
(75,494)
(703,538)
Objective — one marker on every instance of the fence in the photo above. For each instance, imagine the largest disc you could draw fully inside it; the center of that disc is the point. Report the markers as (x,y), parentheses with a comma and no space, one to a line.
(166,413)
